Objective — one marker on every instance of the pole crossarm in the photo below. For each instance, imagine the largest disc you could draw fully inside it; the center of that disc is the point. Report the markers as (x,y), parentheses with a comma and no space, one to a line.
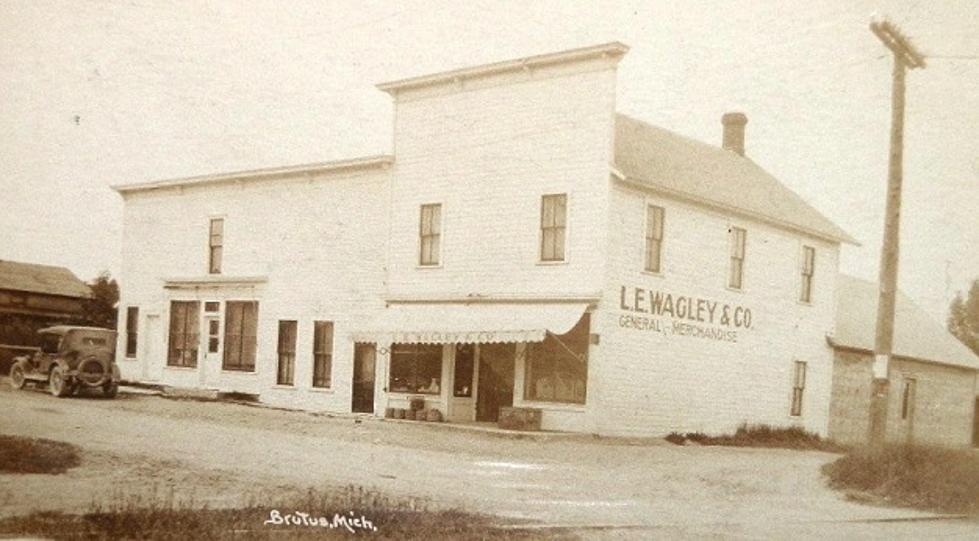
(901,46)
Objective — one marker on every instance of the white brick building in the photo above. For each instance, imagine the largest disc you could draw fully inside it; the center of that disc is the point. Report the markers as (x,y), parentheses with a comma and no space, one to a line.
(523,245)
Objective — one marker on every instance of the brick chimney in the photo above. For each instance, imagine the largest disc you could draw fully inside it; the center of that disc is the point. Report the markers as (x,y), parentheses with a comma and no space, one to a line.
(734,132)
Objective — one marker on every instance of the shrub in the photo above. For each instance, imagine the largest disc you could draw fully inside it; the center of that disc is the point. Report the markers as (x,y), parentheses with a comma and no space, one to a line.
(33,455)
(760,436)
(933,478)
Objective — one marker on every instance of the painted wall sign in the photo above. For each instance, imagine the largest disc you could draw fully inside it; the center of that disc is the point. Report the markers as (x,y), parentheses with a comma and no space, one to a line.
(682,315)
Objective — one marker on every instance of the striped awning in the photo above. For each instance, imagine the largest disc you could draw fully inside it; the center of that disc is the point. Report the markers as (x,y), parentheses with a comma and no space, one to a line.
(449,323)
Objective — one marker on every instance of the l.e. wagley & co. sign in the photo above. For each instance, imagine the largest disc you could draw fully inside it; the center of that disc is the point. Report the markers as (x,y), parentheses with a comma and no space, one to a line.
(682,315)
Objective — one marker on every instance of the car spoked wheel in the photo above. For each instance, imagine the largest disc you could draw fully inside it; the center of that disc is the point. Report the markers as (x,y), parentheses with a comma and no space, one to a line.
(17,376)
(57,384)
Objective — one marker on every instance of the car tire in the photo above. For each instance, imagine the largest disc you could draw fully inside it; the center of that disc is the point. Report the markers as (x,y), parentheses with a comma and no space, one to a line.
(110,389)
(18,375)
(57,384)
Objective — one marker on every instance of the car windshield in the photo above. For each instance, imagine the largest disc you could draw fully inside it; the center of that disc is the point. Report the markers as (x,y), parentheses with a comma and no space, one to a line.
(49,343)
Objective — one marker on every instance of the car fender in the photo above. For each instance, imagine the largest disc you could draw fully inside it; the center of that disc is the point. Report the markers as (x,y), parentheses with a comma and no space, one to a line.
(63,364)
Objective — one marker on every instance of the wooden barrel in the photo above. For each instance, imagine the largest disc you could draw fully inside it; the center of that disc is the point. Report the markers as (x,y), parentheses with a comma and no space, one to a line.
(399,413)
(434,416)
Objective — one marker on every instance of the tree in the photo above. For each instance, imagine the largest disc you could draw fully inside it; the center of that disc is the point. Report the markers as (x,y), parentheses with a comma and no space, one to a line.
(100,310)
(963,317)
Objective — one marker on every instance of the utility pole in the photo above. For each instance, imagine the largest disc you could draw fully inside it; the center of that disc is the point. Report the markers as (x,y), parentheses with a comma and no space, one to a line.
(905,57)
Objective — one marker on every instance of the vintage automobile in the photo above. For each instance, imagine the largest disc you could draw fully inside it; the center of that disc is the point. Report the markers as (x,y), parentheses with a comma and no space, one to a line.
(70,357)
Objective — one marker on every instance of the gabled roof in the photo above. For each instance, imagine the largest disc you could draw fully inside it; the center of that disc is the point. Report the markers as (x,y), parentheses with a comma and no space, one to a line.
(916,335)
(682,167)
(45,279)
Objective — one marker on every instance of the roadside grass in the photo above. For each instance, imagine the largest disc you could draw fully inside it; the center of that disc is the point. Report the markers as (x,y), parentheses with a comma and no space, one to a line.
(931,478)
(163,518)
(761,436)
(33,455)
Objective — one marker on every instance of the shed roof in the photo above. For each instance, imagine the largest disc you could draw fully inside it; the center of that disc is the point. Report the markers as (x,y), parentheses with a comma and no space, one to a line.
(916,334)
(44,279)
(676,165)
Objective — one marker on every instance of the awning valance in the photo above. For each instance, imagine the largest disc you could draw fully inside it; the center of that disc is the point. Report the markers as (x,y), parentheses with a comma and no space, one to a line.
(446,323)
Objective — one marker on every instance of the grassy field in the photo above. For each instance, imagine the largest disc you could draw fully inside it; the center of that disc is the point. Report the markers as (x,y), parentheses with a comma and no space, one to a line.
(761,436)
(337,514)
(31,455)
(932,478)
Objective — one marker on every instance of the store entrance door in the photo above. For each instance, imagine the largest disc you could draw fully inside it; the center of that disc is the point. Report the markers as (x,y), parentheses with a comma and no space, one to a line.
(363,390)
(495,383)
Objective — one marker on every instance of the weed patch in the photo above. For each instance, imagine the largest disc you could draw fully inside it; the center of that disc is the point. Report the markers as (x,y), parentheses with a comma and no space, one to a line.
(33,455)
(760,436)
(932,478)
(346,513)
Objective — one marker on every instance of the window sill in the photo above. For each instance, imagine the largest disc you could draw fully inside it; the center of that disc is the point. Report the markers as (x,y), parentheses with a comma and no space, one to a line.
(409,394)
(322,390)
(281,387)
(181,368)
(129,359)
(428,267)
(804,303)
(551,263)
(239,372)
(655,274)
(735,289)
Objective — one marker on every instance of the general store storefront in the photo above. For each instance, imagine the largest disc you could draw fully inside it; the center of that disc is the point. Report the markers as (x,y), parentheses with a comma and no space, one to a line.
(470,360)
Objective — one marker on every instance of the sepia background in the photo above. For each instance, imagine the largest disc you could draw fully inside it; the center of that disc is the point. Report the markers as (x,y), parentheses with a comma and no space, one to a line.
(100,93)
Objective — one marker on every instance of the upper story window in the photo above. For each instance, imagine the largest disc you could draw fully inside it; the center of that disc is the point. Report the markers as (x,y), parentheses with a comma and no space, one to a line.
(736,277)
(808,271)
(654,237)
(430,234)
(215,245)
(553,226)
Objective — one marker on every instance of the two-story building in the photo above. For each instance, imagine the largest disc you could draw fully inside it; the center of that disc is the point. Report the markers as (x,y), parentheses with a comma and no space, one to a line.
(524,244)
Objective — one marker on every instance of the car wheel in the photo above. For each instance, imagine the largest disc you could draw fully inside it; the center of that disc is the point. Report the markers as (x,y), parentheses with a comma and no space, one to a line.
(57,384)
(18,378)
(110,389)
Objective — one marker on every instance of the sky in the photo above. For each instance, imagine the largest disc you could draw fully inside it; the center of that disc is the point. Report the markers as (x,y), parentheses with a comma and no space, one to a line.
(100,93)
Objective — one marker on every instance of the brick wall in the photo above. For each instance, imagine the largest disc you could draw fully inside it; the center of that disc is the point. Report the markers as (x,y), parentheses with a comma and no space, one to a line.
(649,382)
(942,409)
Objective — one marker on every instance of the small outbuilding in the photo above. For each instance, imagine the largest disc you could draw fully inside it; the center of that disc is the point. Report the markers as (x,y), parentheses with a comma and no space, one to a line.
(34,296)
(932,398)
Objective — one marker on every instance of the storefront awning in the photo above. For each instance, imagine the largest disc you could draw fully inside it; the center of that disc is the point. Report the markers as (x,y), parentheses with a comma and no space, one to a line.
(444,323)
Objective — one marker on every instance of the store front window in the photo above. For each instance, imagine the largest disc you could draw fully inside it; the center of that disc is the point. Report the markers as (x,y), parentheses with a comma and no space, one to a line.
(557,368)
(416,368)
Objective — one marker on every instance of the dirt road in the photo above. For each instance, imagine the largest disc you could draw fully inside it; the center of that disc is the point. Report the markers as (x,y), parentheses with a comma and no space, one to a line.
(225,454)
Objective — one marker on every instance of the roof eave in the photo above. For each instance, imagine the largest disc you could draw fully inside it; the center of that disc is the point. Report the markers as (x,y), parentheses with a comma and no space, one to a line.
(632,181)
(612,49)
(367,162)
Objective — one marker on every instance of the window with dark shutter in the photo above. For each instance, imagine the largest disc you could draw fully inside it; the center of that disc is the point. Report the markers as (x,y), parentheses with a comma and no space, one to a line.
(132,330)
(322,353)
(184,333)
(240,335)
(286,352)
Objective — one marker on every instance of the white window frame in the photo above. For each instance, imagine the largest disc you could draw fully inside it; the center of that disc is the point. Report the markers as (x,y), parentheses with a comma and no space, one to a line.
(730,257)
(441,236)
(540,229)
(802,274)
(645,238)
